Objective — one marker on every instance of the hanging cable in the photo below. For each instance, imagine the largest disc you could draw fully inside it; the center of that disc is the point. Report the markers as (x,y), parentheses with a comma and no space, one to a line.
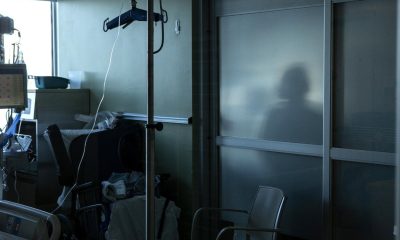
(15,185)
(16,48)
(19,133)
(163,21)
(7,119)
(95,118)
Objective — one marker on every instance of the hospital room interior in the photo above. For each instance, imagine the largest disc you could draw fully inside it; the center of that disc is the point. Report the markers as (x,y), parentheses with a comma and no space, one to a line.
(199,119)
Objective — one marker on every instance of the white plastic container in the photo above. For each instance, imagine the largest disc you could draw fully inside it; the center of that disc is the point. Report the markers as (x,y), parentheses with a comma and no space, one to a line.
(76,78)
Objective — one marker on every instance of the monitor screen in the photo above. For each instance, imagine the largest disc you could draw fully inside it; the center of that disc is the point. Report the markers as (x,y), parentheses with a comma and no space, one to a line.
(13,86)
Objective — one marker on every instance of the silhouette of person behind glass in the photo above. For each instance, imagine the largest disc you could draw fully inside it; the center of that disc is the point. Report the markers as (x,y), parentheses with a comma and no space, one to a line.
(293,119)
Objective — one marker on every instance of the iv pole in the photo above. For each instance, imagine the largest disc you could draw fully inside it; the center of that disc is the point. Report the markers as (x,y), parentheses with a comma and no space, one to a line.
(150,130)
(126,19)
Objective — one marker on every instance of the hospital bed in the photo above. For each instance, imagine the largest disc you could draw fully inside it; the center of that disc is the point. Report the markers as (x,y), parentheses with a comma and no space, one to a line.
(19,222)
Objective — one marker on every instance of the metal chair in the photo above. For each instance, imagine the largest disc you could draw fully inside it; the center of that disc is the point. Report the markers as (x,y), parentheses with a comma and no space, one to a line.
(262,220)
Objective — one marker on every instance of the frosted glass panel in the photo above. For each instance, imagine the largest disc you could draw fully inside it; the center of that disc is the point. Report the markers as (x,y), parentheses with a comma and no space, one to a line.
(242,171)
(271,75)
(363,201)
(365,75)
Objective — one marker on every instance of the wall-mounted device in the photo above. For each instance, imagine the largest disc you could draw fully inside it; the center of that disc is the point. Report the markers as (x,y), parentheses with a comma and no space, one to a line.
(13,86)
(177,26)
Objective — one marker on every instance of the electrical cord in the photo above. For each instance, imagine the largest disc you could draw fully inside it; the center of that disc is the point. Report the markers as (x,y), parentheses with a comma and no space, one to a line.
(9,123)
(8,114)
(16,52)
(162,12)
(19,127)
(3,129)
(18,133)
(95,118)
(15,185)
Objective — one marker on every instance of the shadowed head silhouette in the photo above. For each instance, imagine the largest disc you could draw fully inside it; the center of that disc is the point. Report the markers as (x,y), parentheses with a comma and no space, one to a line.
(294,119)
(294,84)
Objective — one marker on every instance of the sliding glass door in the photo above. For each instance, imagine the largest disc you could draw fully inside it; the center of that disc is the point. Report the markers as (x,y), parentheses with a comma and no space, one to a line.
(271,78)
(306,103)
(364,80)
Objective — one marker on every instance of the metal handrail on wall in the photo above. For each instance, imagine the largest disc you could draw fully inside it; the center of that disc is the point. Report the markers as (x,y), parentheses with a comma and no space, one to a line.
(162,119)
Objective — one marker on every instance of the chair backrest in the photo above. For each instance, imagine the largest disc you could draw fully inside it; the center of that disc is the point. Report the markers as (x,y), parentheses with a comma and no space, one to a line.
(114,150)
(117,150)
(65,170)
(266,212)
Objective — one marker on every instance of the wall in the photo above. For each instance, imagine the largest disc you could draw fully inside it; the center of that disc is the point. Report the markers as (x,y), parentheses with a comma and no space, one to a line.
(84,46)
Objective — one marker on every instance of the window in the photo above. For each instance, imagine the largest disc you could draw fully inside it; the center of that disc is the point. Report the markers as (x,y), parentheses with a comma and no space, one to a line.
(33,20)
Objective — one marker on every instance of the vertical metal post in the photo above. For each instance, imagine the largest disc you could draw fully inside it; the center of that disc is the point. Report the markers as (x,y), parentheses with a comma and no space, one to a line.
(150,134)
(2,54)
(327,113)
(396,229)
(54,38)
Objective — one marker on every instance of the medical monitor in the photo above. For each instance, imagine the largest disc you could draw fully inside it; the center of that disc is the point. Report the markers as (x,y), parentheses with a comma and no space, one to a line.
(13,86)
